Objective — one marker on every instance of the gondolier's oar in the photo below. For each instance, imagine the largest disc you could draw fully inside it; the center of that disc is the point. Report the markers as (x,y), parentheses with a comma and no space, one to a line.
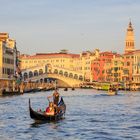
(55,85)
(29,102)
(48,99)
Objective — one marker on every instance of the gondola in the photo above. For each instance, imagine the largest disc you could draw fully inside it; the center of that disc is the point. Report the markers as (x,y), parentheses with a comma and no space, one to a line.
(10,93)
(72,88)
(40,115)
(66,89)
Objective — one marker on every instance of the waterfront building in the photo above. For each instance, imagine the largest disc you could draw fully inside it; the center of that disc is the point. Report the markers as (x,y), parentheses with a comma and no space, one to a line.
(7,59)
(101,67)
(117,68)
(128,56)
(131,75)
(8,55)
(86,63)
(60,60)
(136,70)
(127,75)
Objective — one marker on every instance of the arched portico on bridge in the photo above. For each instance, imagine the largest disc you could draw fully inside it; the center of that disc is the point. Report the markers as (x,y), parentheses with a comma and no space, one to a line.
(40,74)
(65,73)
(40,71)
(25,75)
(30,74)
(75,76)
(35,73)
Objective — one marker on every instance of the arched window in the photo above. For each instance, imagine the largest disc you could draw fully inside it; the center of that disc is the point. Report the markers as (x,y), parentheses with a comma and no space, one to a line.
(71,75)
(61,72)
(66,74)
(40,71)
(25,75)
(35,73)
(30,74)
(128,64)
(81,77)
(41,80)
(75,76)
(56,71)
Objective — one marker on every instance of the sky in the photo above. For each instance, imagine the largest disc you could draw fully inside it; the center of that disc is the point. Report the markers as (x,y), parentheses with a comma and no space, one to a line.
(47,26)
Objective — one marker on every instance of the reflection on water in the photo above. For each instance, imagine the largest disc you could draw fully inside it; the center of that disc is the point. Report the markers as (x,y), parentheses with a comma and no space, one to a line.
(90,114)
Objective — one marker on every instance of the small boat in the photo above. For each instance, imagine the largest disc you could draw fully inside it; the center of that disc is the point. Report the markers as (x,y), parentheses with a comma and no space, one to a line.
(28,90)
(10,93)
(72,88)
(41,115)
(66,89)
(112,92)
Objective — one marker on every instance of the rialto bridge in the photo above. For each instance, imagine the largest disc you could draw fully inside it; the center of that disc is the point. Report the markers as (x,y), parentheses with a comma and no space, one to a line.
(45,73)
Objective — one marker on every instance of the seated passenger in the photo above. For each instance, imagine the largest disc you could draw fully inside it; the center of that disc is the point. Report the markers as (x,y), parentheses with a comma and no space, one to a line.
(50,109)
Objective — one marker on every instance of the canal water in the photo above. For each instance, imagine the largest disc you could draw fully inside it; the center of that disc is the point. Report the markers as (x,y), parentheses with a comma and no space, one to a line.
(90,115)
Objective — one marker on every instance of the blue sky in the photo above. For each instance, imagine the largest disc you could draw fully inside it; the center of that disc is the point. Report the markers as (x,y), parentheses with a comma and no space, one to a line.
(76,25)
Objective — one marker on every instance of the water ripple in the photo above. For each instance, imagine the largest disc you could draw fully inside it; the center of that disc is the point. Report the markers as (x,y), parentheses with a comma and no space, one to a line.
(90,115)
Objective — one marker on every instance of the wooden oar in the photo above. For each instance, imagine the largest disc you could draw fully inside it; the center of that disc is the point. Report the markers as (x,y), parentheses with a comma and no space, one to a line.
(48,99)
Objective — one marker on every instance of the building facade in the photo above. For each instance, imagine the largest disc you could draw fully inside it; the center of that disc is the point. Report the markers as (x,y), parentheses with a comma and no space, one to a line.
(101,67)
(117,68)
(136,70)
(86,63)
(8,56)
(60,60)
(8,53)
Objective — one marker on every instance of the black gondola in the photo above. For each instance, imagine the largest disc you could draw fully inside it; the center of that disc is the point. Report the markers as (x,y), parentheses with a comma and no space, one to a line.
(10,93)
(40,115)
(66,89)
(72,88)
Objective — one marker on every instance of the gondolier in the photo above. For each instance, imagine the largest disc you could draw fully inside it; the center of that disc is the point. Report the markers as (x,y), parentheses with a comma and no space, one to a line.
(55,97)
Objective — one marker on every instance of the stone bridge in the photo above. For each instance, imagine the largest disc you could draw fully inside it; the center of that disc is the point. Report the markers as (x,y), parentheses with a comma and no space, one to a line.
(64,77)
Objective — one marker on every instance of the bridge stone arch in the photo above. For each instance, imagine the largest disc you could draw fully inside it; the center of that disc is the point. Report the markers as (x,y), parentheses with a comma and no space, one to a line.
(40,71)
(69,82)
(66,74)
(81,77)
(70,75)
(30,74)
(56,71)
(75,76)
(61,72)
(35,73)
(25,75)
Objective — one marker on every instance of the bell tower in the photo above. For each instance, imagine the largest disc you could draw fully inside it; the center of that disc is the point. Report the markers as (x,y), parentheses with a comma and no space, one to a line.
(129,41)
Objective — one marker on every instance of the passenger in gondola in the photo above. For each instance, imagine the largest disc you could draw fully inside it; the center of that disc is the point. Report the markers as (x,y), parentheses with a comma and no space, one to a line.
(50,110)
